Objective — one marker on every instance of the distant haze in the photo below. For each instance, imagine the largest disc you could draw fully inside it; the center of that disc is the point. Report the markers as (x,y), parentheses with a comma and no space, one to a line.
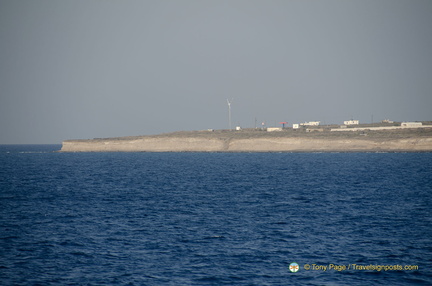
(85,69)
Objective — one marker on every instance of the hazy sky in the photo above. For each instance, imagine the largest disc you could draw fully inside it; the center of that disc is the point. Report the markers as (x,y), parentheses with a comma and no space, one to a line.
(85,69)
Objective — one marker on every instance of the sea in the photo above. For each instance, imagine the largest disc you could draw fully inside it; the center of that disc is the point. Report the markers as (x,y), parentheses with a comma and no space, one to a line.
(214,218)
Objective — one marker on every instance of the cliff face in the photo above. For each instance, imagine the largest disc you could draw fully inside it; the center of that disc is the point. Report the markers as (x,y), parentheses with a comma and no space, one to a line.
(171,144)
(263,144)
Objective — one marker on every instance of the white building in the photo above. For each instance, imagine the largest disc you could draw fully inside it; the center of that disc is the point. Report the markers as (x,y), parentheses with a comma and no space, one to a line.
(411,124)
(310,123)
(295,126)
(272,129)
(351,122)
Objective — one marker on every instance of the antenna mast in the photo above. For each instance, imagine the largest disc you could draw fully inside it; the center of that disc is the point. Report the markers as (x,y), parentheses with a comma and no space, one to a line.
(229,113)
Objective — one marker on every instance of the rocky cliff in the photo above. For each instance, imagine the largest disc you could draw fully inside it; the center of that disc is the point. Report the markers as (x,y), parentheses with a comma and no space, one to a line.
(263,142)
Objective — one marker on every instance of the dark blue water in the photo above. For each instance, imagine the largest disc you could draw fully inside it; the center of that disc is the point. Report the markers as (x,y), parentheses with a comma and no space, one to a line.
(213,218)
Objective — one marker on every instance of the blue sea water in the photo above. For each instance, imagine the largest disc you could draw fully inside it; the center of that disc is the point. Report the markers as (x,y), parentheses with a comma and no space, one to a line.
(213,218)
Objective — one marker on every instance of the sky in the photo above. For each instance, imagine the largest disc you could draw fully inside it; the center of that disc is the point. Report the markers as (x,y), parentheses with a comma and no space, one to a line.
(95,69)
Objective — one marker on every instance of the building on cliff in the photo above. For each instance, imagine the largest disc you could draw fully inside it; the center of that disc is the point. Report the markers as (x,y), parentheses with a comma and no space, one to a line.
(273,129)
(411,124)
(311,123)
(351,122)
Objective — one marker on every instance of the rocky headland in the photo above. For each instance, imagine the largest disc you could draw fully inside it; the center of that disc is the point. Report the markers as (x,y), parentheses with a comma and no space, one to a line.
(257,140)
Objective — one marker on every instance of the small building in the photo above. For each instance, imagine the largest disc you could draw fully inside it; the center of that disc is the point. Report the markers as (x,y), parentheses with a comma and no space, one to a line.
(351,122)
(411,124)
(295,126)
(387,121)
(310,123)
(314,130)
(273,129)
(238,128)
